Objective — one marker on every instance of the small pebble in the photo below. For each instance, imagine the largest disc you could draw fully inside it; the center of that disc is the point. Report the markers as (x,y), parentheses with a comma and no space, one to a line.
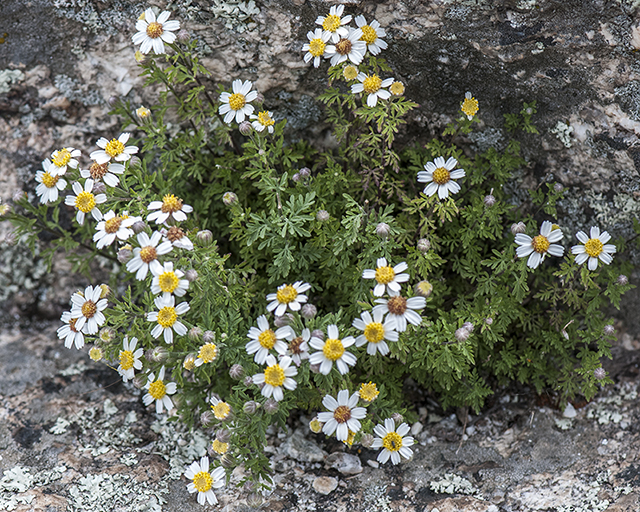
(346,463)
(373,463)
(325,484)
(416,428)
(569,411)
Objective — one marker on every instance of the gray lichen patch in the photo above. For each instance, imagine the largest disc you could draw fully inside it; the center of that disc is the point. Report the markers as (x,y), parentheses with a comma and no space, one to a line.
(8,77)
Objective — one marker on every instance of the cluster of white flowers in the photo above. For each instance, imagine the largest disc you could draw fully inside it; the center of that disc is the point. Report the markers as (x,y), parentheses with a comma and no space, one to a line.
(237,106)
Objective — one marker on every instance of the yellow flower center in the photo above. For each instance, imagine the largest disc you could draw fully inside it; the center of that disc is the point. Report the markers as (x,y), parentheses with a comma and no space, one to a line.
(593,247)
(237,101)
(316,47)
(265,119)
(148,253)
(331,23)
(126,359)
(85,202)
(333,349)
(343,47)
(157,390)
(61,157)
(374,332)
(397,305)
(171,204)
(396,88)
(167,316)
(154,30)
(351,437)
(469,106)
(114,147)
(48,180)
(286,294)
(221,410)
(143,112)
(350,72)
(95,353)
(189,362)
(202,481)
(220,447)
(385,275)
(168,282)
(97,171)
(540,244)
(441,175)
(274,375)
(368,392)
(369,35)
(267,339)
(113,225)
(392,441)
(342,414)
(372,84)
(89,309)
(208,352)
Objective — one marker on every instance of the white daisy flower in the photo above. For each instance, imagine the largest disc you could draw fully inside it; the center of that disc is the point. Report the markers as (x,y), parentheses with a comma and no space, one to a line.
(204,481)
(154,32)
(177,237)
(167,281)
(316,46)
(332,350)
(594,248)
(394,442)
(49,185)
(113,149)
(236,104)
(146,256)
(440,175)
(69,333)
(171,207)
(263,120)
(373,85)
(375,332)
(207,354)
(105,172)
(87,308)
(401,310)
(371,35)
(298,348)
(113,226)
(288,295)
(348,47)
(538,246)
(343,416)
(332,23)
(129,359)
(387,277)
(469,106)
(263,339)
(276,376)
(158,391)
(167,318)
(85,201)
(221,409)
(61,160)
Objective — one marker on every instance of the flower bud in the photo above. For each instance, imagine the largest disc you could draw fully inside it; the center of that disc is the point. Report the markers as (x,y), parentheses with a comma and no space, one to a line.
(423,288)
(18,195)
(317,333)
(462,334)
(207,418)
(383,230)
(159,354)
(350,72)
(518,228)
(138,226)
(308,311)
(191,275)
(305,172)
(254,500)
(140,57)
(468,326)
(622,280)
(558,187)
(489,200)
(367,440)
(183,35)
(209,337)
(227,461)
(397,418)
(248,486)
(423,245)
(236,372)
(139,381)
(195,333)
(95,353)
(488,321)
(599,373)
(322,216)
(143,113)
(271,406)
(99,188)
(245,127)
(106,334)
(229,198)
(135,161)
(113,101)
(609,330)
(10,238)
(296,177)
(259,98)
(205,237)
(250,407)
(4,209)
(248,381)
(281,321)
(315,425)
(124,255)
(315,368)
(396,88)
(223,435)
(189,362)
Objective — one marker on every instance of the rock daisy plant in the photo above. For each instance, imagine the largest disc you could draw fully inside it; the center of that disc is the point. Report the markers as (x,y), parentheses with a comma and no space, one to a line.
(259,275)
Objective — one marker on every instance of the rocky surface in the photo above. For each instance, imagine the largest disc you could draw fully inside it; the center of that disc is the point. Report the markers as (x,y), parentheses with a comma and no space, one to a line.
(74,438)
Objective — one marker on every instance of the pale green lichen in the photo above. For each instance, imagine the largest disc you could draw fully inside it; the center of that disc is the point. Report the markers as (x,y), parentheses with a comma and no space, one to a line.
(452,484)
(236,14)
(19,480)
(20,270)
(8,77)
(563,132)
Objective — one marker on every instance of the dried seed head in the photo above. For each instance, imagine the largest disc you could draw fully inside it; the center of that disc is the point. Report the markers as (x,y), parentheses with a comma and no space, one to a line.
(205,237)
(489,200)
(599,373)
(195,333)
(229,198)
(124,255)
(383,230)
(308,311)
(250,407)
(423,245)
(462,334)
(518,228)
(367,440)
(322,216)
(622,280)
(271,406)
(236,372)
(191,275)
